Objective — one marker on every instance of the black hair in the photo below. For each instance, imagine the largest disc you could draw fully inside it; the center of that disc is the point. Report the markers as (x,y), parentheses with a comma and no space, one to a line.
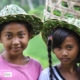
(58,36)
(27,24)
(50,61)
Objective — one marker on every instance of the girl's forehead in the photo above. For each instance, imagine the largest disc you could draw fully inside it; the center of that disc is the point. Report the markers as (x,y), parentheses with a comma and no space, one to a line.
(69,40)
(14,27)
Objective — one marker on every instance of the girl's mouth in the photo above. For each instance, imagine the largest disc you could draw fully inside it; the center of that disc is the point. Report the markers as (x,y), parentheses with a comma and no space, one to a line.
(16,48)
(65,59)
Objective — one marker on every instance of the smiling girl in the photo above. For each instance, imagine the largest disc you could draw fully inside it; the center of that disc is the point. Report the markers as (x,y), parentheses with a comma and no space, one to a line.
(16,29)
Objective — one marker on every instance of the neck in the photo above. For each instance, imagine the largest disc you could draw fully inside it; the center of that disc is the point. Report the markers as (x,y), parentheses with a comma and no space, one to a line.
(68,68)
(16,59)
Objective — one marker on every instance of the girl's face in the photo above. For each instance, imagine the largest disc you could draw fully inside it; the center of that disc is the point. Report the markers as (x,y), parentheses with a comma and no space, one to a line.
(15,38)
(68,50)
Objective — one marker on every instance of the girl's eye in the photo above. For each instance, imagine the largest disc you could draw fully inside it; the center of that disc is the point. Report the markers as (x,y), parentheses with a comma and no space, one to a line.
(69,47)
(58,48)
(9,36)
(21,35)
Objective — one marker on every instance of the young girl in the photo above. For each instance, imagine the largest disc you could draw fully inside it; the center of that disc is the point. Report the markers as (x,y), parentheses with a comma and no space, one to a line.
(16,29)
(64,41)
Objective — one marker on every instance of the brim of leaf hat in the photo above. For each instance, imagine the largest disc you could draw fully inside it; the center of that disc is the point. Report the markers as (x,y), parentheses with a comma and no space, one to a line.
(51,24)
(33,20)
(67,11)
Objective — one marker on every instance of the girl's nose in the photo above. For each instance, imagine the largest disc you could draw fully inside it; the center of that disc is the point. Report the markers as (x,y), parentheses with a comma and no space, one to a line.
(64,53)
(15,41)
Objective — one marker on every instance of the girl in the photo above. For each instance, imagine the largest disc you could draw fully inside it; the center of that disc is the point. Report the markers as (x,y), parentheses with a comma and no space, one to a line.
(16,29)
(64,41)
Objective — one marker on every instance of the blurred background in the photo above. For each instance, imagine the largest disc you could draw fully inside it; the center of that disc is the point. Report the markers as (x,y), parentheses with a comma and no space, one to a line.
(36,48)
(30,6)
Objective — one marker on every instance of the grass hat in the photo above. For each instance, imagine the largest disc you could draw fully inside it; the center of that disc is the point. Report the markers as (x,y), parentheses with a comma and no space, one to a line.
(13,12)
(51,24)
(61,13)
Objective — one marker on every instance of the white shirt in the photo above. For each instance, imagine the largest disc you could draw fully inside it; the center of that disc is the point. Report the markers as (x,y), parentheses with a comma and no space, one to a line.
(45,74)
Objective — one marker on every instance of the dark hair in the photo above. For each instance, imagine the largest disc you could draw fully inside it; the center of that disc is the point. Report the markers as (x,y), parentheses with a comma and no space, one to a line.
(58,36)
(28,26)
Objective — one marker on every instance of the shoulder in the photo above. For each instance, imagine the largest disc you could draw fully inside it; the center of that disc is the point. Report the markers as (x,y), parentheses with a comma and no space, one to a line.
(46,72)
(35,63)
(2,61)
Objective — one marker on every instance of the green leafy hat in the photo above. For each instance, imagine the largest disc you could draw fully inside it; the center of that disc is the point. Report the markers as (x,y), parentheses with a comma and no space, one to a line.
(13,12)
(51,24)
(64,13)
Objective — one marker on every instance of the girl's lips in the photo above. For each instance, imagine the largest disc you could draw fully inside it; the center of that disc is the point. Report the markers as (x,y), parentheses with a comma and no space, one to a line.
(65,59)
(16,48)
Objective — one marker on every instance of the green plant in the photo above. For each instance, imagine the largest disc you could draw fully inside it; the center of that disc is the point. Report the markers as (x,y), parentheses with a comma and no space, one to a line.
(77,7)
(38,11)
(57,12)
(67,15)
(63,3)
